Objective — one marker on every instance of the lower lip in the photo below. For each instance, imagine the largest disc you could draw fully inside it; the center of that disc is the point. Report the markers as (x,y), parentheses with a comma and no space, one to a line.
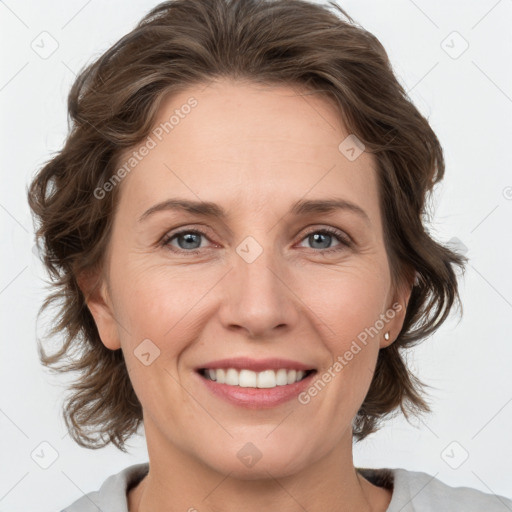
(257,398)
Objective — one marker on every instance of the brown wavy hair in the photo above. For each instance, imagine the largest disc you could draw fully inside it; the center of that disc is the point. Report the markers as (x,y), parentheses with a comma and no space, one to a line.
(113,106)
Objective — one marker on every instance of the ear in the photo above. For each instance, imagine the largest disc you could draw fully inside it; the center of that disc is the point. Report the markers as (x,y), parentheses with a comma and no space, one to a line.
(98,301)
(396,310)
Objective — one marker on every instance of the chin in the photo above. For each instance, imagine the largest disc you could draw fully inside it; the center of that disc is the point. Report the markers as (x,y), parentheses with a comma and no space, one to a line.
(265,468)
(259,460)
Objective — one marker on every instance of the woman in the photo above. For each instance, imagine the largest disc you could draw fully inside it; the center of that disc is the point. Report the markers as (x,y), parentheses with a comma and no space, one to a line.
(235,226)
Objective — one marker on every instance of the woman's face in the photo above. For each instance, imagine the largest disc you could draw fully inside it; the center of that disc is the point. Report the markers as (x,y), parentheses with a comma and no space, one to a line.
(262,286)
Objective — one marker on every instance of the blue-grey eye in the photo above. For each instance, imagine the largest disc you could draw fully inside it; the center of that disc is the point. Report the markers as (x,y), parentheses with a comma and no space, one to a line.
(191,239)
(324,239)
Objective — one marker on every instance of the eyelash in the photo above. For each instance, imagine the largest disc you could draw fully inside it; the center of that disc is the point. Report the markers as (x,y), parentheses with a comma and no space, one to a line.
(345,242)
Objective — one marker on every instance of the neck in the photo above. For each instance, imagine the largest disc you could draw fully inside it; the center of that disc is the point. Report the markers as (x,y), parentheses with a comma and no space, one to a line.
(177,481)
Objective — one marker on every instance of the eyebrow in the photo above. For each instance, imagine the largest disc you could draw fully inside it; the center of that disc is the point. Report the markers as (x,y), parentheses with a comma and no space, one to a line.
(301,207)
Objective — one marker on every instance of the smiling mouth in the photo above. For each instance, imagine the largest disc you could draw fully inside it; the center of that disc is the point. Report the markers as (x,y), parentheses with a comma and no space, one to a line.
(244,378)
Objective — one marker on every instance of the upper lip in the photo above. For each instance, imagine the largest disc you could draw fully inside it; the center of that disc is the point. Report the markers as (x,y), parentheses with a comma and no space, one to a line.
(256,365)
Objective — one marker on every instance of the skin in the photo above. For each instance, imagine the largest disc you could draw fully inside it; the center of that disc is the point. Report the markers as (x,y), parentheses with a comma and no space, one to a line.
(253,150)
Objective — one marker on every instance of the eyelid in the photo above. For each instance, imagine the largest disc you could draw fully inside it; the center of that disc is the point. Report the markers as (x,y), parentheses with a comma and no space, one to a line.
(342,236)
(169,235)
(331,230)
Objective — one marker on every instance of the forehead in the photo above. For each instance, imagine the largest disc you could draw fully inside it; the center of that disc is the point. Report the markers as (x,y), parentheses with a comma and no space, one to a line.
(251,146)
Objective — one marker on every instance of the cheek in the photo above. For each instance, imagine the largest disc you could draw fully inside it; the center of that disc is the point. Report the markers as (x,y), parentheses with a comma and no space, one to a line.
(152,298)
(348,303)
(347,300)
(168,306)
(159,310)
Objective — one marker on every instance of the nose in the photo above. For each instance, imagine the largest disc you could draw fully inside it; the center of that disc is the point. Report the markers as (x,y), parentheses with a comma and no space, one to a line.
(259,297)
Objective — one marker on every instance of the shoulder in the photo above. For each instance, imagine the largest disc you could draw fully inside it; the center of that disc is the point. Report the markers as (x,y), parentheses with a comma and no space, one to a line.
(112,493)
(416,491)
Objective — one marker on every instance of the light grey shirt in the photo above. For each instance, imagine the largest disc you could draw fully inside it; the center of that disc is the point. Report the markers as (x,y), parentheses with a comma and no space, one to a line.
(413,491)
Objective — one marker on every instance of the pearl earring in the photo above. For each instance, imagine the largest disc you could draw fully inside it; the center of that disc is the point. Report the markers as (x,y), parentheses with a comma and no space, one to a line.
(386,336)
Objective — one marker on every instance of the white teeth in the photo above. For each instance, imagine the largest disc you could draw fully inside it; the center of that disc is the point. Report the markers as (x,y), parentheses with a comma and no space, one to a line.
(247,379)
(281,377)
(232,377)
(221,376)
(266,379)
(250,379)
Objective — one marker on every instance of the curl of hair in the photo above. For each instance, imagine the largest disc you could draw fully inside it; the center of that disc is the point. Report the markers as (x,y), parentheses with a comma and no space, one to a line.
(112,107)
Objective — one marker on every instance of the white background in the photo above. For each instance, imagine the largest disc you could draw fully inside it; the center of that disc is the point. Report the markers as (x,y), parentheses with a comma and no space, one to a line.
(468,101)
